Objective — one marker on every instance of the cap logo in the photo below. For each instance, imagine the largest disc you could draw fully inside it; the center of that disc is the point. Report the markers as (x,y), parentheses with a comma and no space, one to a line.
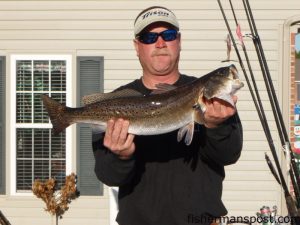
(159,13)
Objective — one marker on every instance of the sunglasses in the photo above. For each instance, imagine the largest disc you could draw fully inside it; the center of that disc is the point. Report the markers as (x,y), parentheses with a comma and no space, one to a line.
(151,37)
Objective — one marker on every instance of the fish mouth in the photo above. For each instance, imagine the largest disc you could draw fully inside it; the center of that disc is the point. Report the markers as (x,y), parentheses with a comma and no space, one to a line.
(234,74)
(238,84)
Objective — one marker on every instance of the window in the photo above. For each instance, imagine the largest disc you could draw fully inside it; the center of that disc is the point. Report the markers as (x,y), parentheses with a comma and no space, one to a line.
(38,154)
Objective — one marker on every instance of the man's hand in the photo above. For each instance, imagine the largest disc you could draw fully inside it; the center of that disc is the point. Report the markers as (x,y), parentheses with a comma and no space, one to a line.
(118,140)
(217,111)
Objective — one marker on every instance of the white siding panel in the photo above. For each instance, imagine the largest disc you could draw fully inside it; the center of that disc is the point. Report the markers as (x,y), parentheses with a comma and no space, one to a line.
(249,196)
(128,14)
(104,28)
(256,135)
(248,176)
(243,165)
(30,211)
(250,186)
(249,154)
(255,146)
(122,14)
(106,5)
(254,124)
(75,24)
(251,205)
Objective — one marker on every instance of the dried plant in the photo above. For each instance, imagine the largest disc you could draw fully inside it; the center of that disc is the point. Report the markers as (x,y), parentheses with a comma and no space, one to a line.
(57,201)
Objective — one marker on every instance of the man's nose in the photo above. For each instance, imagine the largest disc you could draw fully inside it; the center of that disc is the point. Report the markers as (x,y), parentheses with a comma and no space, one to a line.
(160,43)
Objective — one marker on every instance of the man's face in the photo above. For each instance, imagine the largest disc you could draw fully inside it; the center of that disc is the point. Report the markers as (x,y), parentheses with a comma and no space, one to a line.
(161,57)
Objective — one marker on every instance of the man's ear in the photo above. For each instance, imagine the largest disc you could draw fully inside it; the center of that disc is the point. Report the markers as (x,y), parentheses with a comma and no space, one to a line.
(179,39)
(136,46)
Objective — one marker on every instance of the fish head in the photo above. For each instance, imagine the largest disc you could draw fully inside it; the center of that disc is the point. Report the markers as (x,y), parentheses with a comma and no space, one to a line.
(222,83)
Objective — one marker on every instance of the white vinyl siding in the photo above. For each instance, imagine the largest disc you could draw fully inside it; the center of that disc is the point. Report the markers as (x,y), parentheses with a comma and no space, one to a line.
(105,28)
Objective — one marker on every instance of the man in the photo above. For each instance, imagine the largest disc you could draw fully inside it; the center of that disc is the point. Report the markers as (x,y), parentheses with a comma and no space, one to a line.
(162,181)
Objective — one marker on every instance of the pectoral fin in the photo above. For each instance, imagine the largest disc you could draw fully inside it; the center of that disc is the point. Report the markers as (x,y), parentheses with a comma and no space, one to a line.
(188,131)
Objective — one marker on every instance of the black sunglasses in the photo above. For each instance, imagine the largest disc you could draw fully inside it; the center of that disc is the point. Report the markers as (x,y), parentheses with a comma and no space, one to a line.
(151,37)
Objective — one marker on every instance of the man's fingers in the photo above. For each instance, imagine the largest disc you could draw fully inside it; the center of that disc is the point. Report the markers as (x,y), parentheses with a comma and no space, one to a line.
(110,126)
(116,131)
(108,133)
(123,132)
(129,140)
(128,146)
(218,110)
(117,138)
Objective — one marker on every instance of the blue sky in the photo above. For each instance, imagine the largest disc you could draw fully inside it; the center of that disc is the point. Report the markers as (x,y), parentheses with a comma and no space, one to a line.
(298,42)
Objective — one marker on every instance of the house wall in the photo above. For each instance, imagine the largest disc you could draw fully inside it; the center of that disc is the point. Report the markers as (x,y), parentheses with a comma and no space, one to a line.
(105,28)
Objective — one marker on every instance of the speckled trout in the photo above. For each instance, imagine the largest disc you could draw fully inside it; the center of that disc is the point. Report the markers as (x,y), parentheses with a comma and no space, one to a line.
(167,109)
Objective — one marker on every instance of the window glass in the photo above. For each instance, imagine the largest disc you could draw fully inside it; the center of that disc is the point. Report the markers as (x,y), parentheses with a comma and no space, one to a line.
(40,155)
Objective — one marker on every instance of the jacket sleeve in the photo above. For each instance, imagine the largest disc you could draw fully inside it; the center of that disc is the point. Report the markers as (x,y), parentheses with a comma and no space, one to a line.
(109,169)
(223,144)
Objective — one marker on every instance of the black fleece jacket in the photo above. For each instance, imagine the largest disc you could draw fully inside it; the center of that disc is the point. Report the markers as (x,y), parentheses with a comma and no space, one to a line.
(167,182)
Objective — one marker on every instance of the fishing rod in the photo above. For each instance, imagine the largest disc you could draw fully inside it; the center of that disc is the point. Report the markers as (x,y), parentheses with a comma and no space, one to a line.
(294,174)
(291,206)
(295,178)
(3,220)
(256,99)
(272,96)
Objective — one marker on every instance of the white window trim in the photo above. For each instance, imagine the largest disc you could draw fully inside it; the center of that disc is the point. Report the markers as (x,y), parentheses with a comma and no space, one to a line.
(13,60)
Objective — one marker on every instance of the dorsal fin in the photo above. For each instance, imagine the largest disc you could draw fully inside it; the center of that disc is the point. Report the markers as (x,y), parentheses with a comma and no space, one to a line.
(162,88)
(97,97)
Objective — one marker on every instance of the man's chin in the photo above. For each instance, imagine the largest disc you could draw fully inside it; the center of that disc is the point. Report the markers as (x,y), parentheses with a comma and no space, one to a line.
(162,72)
(162,68)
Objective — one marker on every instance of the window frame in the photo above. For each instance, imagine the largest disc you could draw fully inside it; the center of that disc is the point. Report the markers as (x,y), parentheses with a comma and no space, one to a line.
(13,122)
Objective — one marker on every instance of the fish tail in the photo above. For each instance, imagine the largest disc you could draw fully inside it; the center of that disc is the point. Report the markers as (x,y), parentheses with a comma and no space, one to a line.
(57,113)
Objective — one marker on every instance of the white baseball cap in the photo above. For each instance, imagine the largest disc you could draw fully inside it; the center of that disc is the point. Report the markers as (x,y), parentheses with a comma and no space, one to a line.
(152,15)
